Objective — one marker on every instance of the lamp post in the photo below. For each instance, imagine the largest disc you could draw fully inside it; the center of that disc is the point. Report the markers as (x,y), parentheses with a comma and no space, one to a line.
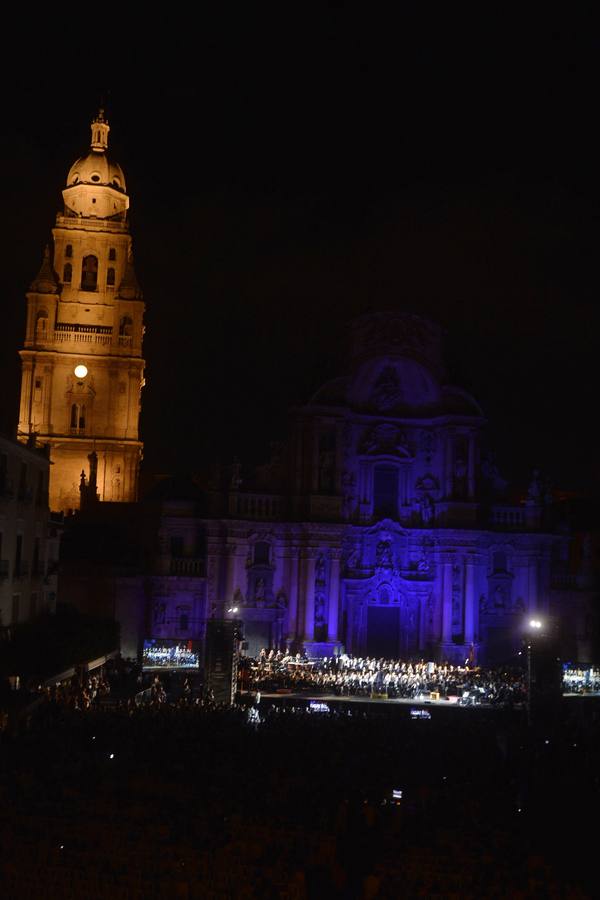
(534,627)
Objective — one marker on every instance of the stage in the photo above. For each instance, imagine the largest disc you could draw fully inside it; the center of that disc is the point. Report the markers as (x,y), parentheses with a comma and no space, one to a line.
(424,701)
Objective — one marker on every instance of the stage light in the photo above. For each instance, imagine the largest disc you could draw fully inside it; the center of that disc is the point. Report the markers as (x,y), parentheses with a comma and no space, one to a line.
(535,623)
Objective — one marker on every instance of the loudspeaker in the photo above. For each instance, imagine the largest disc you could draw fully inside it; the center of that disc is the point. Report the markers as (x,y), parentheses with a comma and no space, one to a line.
(221,658)
(546,676)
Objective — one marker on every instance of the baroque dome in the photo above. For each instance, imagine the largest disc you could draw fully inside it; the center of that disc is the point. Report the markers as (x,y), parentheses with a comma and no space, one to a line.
(95,184)
(96,169)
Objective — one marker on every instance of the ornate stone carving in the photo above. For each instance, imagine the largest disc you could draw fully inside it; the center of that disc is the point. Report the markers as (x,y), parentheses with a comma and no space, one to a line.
(320,571)
(457,598)
(353,559)
(384,555)
(427,445)
(387,391)
(385,439)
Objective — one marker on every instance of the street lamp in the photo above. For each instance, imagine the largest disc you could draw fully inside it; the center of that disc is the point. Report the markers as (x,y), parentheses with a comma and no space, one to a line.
(534,627)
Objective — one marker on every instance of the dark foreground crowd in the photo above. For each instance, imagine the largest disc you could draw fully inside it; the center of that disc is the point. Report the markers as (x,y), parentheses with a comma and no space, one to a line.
(178,796)
(357,676)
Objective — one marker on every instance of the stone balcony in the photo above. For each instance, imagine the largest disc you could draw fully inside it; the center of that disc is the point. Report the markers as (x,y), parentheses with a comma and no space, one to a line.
(256,506)
(187,566)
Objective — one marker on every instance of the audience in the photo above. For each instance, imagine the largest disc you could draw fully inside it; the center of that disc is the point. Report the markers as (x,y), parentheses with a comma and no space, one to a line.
(146,788)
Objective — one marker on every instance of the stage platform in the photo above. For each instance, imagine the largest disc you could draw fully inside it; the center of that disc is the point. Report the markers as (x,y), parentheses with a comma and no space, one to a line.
(421,700)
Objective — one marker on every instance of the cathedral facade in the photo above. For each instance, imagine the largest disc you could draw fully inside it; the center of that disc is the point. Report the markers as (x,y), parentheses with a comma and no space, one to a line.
(82,366)
(378,526)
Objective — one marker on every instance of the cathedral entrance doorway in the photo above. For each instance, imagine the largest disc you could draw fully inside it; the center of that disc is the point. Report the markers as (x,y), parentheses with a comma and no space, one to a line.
(383,632)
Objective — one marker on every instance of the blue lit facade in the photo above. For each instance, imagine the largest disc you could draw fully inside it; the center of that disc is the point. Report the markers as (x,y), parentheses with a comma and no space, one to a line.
(380,525)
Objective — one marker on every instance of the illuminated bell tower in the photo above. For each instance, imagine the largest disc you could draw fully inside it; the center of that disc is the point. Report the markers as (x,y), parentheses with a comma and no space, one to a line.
(82,366)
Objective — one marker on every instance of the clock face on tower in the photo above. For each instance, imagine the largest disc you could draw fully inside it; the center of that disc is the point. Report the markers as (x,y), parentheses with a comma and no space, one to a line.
(80,371)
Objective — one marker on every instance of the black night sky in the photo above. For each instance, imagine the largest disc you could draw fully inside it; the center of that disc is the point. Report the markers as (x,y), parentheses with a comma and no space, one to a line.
(286,176)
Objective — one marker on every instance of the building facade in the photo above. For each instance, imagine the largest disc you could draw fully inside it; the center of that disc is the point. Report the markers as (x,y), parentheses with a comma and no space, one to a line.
(381,525)
(29,535)
(82,366)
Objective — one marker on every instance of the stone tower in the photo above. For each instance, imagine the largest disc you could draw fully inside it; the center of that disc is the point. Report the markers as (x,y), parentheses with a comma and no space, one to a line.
(82,366)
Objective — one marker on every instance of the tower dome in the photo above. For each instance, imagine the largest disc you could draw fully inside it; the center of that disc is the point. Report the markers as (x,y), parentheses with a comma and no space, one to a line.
(95,184)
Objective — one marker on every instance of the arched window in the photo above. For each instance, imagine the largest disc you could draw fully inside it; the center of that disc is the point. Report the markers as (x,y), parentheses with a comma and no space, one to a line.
(261,553)
(68,251)
(126,327)
(385,492)
(112,253)
(89,273)
(41,324)
(67,273)
(110,276)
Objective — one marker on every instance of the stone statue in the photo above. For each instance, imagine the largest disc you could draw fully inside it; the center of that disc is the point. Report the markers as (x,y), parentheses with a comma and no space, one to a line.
(353,559)
(500,597)
(384,554)
(426,509)
(319,610)
(535,491)
(320,571)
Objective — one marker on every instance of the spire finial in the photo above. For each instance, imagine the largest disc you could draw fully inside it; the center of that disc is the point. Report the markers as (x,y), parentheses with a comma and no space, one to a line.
(100,129)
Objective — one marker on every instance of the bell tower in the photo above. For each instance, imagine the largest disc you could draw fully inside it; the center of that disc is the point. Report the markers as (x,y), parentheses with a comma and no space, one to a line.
(82,365)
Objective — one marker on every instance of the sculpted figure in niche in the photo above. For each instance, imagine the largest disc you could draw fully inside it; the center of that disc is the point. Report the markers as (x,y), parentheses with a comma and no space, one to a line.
(259,592)
(460,477)
(500,597)
(384,554)
(160,610)
(320,571)
(482,604)
(319,610)
(426,509)
(535,491)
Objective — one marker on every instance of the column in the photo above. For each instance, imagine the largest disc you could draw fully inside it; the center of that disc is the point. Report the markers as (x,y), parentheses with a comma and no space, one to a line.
(239,569)
(470,600)
(334,595)
(447,600)
(449,467)
(308,587)
(471,468)
(292,634)
(533,585)
(229,576)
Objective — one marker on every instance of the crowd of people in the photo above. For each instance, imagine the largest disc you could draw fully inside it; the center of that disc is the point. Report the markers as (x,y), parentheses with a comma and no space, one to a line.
(347,675)
(182,796)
